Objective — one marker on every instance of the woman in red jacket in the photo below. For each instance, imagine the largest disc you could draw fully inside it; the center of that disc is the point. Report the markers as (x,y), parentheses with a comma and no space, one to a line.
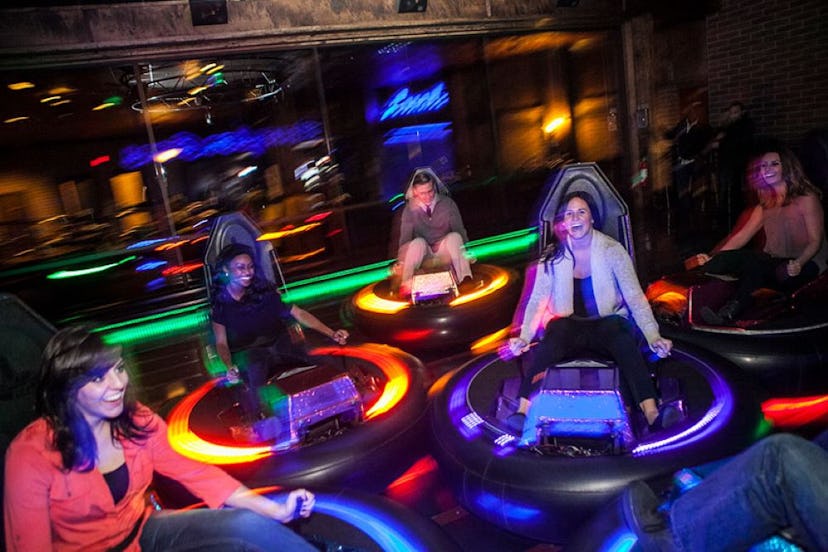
(76,478)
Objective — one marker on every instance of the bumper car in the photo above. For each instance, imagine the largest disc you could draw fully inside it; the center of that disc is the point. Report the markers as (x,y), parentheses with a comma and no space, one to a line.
(351,521)
(347,417)
(781,339)
(438,314)
(584,439)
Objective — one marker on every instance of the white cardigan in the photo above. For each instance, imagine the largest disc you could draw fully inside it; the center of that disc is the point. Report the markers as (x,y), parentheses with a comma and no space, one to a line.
(614,284)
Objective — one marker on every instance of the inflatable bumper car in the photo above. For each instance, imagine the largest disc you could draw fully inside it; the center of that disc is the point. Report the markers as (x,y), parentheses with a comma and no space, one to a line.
(584,440)
(349,417)
(782,339)
(436,312)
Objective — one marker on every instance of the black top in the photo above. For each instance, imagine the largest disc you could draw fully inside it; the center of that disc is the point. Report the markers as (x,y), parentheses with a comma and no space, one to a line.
(118,482)
(252,323)
(584,305)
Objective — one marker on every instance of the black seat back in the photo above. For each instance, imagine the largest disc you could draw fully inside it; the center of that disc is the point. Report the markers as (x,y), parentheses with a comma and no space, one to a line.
(238,228)
(586,177)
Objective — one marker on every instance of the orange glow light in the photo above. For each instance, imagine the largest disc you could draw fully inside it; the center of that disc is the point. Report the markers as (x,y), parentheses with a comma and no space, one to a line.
(186,442)
(671,301)
(287,231)
(166,155)
(171,245)
(553,125)
(500,280)
(391,365)
(367,300)
(797,411)
(490,342)
(302,256)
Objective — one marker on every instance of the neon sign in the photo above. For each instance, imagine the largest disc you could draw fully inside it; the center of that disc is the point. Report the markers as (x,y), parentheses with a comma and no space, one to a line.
(243,139)
(403,103)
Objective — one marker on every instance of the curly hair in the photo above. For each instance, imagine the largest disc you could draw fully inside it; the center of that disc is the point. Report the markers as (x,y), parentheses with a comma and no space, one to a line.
(797,183)
(259,286)
(73,357)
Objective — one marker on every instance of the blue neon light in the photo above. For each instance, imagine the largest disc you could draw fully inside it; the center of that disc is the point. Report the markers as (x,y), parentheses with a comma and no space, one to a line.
(510,510)
(387,532)
(417,133)
(403,103)
(242,140)
(146,243)
(149,265)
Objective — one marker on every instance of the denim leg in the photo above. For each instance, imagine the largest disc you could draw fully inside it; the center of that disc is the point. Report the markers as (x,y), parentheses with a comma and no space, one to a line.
(778,483)
(218,531)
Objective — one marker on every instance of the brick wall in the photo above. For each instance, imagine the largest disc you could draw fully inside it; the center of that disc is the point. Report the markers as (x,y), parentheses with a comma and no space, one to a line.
(773,56)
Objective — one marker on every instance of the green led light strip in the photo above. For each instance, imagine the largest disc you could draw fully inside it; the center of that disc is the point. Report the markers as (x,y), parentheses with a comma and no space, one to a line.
(63,274)
(196,318)
(161,328)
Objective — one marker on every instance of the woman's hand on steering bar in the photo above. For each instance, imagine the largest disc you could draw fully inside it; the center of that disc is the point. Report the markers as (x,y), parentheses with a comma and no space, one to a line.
(340,336)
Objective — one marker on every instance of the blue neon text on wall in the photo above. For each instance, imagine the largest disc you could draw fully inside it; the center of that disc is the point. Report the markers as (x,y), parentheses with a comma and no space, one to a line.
(403,103)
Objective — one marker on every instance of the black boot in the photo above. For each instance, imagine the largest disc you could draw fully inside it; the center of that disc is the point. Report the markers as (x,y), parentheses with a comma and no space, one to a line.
(725,315)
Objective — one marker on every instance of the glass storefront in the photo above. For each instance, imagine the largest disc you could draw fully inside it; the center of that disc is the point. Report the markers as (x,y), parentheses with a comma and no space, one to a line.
(110,175)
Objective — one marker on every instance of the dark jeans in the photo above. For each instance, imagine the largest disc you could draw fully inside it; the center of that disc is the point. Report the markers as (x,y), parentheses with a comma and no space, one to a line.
(756,269)
(779,483)
(613,336)
(218,531)
(258,364)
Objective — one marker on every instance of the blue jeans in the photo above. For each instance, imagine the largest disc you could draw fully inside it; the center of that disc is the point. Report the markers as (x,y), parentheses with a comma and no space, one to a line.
(218,531)
(779,483)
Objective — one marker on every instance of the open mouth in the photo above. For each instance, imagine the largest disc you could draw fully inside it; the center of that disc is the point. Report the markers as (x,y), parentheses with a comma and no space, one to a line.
(114,398)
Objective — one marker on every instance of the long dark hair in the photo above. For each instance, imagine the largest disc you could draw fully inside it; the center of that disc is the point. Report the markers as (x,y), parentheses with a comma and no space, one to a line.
(259,286)
(72,358)
(559,245)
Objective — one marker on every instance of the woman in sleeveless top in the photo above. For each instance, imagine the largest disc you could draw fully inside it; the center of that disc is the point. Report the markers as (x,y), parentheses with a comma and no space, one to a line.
(789,214)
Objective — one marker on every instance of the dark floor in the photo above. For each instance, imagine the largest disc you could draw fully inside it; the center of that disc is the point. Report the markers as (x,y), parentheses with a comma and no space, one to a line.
(174,367)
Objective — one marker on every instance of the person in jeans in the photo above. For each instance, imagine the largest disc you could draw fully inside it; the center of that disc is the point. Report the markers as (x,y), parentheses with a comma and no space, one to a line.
(778,485)
(77,477)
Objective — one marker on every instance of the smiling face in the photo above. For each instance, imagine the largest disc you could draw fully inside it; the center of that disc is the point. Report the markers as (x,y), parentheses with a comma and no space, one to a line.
(770,169)
(102,397)
(240,270)
(577,218)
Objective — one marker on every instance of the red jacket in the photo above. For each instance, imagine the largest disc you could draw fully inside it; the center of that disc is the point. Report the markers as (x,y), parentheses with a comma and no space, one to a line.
(47,508)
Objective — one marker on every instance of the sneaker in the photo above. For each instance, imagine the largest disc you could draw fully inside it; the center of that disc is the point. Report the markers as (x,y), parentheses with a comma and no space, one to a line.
(516,422)
(640,507)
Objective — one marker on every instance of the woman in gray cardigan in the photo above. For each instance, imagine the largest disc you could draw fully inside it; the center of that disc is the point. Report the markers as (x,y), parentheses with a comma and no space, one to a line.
(585,291)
